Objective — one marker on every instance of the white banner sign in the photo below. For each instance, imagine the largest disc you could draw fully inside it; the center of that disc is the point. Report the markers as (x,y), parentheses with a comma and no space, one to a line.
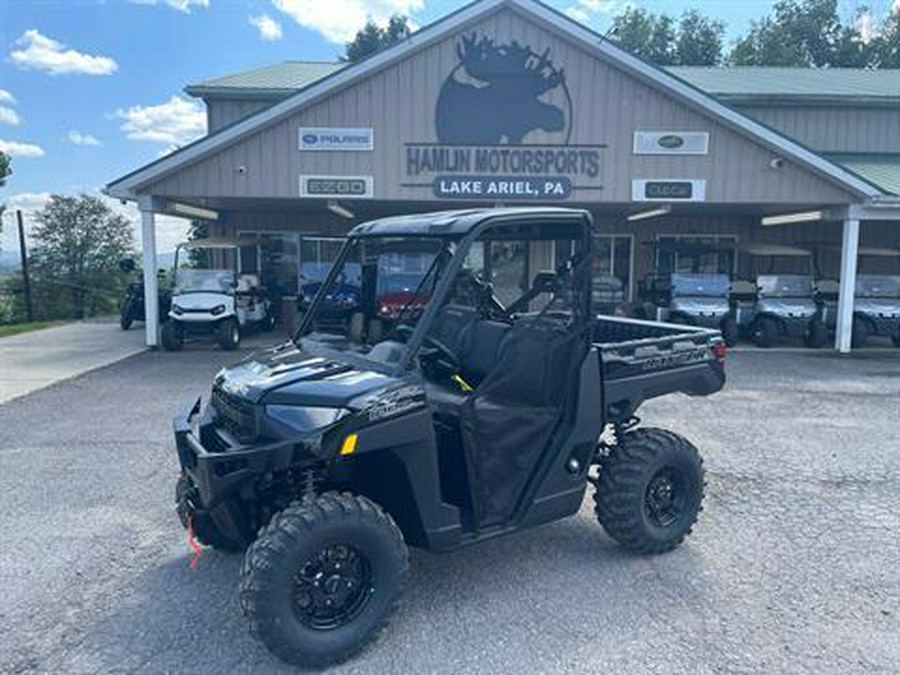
(336,139)
(671,143)
(337,187)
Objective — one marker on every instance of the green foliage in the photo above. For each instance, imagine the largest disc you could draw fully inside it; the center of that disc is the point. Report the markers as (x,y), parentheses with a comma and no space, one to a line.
(199,229)
(5,168)
(79,242)
(696,40)
(373,38)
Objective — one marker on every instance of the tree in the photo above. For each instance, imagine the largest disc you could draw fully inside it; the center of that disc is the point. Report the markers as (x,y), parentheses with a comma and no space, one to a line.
(699,41)
(806,34)
(79,242)
(373,38)
(5,168)
(885,48)
(696,40)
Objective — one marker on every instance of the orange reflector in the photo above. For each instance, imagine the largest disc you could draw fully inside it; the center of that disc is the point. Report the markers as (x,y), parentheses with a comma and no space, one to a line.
(349,446)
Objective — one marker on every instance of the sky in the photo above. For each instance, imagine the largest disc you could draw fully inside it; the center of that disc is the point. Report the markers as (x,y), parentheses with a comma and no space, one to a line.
(93,89)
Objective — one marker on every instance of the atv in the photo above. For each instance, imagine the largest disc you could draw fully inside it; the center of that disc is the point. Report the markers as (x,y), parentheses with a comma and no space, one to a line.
(211,297)
(323,459)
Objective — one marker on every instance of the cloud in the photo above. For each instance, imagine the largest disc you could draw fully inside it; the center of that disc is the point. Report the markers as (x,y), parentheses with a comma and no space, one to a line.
(175,122)
(6,97)
(340,21)
(78,138)
(9,116)
(181,5)
(16,149)
(269,28)
(40,52)
(586,11)
(28,201)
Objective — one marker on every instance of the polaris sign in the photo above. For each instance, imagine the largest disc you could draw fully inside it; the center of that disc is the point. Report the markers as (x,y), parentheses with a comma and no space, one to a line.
(328,139)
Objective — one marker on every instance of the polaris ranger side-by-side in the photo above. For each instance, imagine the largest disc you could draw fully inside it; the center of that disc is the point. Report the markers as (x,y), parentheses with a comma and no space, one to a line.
(469,418)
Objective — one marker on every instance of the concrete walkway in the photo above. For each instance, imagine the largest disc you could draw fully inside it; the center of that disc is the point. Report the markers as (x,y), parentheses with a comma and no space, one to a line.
(32,361)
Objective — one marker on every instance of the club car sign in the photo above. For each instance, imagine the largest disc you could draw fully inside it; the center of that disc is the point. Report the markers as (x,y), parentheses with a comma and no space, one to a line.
(519,95)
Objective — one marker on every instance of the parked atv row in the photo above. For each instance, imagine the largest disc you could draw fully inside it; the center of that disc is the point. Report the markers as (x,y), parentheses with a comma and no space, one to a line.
(774,305)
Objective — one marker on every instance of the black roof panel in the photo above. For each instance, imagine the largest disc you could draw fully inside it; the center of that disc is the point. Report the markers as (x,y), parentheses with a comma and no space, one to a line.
(460,222)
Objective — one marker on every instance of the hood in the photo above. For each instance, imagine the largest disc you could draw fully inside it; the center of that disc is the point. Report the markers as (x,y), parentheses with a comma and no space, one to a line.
(201,300)
(787,308)
(887,308)
(703,305)
(287,376)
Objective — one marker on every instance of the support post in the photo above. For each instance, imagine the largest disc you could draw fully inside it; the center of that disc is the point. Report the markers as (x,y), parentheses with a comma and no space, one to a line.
(151,291)
(23,254)
(843,336)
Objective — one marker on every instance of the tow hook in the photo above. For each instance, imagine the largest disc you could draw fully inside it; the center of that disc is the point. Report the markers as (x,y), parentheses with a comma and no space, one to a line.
(192,543)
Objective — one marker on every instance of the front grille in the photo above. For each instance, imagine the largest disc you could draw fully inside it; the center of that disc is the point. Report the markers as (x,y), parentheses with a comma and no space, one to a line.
(235,414)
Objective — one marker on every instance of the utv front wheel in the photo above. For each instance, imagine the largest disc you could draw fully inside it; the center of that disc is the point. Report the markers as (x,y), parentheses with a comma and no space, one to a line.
(860,335)
(322,578)
(765,332)
(816,334)
(229,335)
(730,331)
(172,337)
(650,490)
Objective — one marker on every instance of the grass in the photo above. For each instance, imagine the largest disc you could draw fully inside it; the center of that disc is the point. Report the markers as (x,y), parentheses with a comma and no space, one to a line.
(16,328)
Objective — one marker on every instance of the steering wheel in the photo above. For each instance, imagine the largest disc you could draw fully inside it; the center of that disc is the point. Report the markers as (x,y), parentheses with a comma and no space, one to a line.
(432,349)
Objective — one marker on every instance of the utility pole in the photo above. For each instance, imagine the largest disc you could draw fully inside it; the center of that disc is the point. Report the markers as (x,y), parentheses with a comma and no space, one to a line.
(24,256)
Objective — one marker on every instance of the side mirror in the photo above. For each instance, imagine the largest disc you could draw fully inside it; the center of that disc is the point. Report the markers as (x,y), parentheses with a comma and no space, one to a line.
(127,265)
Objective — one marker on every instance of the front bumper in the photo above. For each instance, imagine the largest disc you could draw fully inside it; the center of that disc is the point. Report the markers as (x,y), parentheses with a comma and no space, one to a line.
(225,471)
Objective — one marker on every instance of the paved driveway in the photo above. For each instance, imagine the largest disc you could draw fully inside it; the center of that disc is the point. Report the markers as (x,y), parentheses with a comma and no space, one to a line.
(31,361)
(792,568)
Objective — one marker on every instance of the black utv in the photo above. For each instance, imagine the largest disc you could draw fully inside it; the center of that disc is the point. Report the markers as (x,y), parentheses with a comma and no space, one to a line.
(480,415)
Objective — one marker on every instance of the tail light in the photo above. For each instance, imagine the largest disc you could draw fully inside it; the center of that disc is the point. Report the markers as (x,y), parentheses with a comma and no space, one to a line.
(720,351)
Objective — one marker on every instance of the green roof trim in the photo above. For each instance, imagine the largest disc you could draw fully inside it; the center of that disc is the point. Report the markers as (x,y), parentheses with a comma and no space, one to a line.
(273,80)
(882,170)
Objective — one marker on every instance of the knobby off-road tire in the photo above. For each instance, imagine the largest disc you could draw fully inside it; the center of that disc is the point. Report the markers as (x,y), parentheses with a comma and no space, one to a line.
(229,335)
(860,333)
(288,611)
(630,499)
(172,337)
(205,531)
(765,332)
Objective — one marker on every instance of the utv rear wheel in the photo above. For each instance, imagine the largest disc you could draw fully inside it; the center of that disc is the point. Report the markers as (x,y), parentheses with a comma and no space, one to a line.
(322,578)
(126,315)
(229,335)
(205,530)
(817,334)
(172,337)
(729,330)
(650,490)
(765,332)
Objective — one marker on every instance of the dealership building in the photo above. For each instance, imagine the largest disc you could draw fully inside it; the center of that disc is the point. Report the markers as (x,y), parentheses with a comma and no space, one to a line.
(508,102)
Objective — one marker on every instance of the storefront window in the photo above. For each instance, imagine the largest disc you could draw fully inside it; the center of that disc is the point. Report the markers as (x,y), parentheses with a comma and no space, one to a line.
(612,258)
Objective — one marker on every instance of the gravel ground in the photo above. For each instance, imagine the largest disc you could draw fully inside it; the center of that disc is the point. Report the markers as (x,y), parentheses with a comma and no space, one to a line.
(792,568)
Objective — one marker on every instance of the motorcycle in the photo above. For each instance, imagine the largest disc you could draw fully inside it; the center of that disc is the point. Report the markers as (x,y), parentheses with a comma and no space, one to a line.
(132,308)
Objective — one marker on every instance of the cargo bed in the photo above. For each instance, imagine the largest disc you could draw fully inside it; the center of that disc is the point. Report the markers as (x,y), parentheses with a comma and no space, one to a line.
(640,360)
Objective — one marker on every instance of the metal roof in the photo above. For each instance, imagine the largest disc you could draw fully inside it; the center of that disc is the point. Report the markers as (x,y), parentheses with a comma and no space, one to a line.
(272,80)
(734,82)
(812,84)
(881,169)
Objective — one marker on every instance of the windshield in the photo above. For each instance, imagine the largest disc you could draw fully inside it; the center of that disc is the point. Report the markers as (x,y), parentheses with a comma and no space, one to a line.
(706,285)
(380,286)
(189,280)
(877,286)
(785,286)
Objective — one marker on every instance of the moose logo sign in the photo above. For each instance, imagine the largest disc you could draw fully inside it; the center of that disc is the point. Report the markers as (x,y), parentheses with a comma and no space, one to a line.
(503,123)
(504,84)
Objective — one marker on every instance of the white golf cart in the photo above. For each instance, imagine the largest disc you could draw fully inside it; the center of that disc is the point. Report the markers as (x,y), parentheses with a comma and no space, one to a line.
(211,297)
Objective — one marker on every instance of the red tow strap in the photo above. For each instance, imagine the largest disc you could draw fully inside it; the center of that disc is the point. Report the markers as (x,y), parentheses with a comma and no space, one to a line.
(192,542)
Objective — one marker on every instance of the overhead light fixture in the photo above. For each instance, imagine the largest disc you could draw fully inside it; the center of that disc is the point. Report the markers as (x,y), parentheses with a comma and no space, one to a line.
(788,218)
(335,207)
(193,211)
(652,213)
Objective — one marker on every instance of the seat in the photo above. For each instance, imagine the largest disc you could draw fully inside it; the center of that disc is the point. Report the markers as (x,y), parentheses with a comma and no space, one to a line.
(482,348)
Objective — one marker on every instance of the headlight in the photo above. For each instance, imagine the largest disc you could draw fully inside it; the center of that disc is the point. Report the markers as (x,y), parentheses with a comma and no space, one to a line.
(218,309)
(177,310)
(305,419)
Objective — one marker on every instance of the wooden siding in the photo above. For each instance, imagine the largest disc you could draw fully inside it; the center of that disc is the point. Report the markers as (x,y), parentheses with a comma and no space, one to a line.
(833,128)
(399,103)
